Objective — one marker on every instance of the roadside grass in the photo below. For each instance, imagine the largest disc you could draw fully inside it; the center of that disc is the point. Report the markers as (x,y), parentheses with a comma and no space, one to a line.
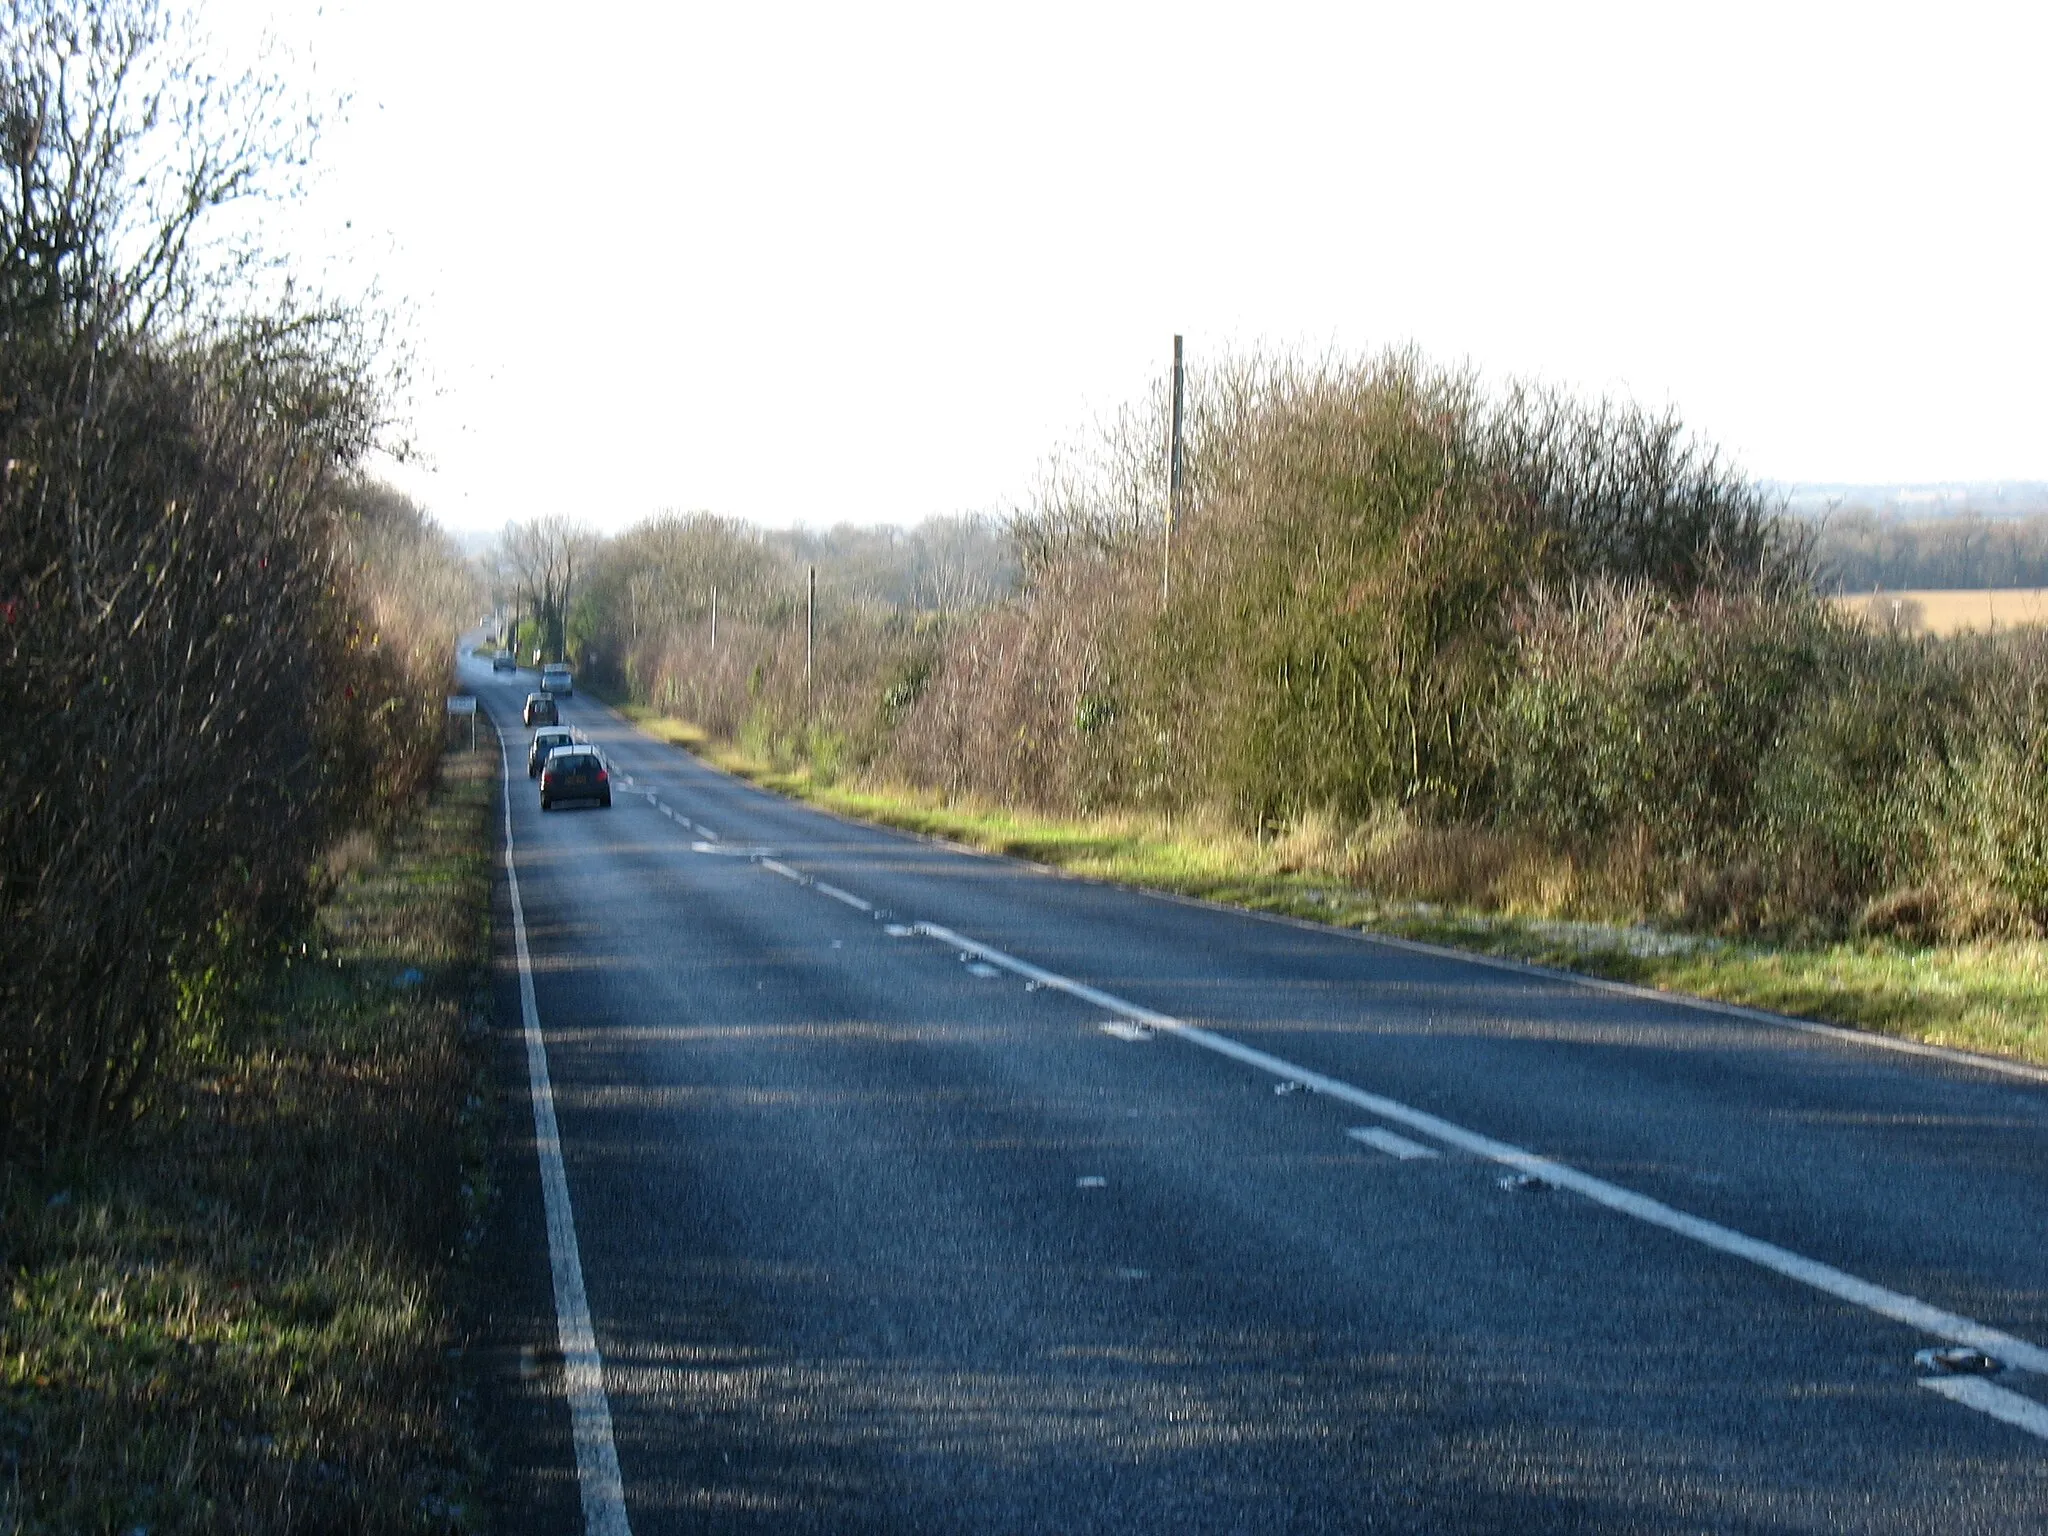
(243,1318)
(1989,996)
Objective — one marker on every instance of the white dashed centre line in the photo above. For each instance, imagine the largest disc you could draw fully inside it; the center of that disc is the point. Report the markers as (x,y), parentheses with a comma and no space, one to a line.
(2010,1350)
(2006,1406)
(1396,1146)
(1972,1392)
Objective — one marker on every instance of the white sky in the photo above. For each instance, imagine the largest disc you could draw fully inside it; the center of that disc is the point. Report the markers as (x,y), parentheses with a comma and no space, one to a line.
(814,263)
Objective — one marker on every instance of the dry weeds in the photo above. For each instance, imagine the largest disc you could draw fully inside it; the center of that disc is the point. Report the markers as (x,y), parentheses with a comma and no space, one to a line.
(241,1321)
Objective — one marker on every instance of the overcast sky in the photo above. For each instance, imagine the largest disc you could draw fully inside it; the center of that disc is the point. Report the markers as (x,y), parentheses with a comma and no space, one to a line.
(871,262)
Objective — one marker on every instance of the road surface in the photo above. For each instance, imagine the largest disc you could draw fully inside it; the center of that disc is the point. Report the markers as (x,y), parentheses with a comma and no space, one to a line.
(882,1186)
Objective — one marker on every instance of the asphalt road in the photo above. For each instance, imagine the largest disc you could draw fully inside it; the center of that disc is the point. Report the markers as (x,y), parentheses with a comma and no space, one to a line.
(916,1190)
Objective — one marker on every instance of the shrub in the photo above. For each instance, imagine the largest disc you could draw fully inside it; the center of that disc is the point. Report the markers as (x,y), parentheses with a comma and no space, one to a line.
(202,682)
(1630,708)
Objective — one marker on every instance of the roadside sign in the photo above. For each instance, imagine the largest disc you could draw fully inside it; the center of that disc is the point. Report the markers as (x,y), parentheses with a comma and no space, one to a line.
(460,704)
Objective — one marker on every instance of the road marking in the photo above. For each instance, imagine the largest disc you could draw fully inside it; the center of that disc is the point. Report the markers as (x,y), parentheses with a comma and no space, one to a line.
(837,894)
(671,815)
(1398,1146)
(2006,1406)
(2010,1350)
(590,1413)
(1117,1029)
(1972,1392)
(607,1516)
(983,971)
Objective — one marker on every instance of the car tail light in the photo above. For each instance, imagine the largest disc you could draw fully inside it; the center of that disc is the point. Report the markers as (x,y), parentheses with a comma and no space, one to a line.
(602,777)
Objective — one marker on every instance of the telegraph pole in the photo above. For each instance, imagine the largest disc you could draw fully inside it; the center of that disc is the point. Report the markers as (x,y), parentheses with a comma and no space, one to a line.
(1173,473)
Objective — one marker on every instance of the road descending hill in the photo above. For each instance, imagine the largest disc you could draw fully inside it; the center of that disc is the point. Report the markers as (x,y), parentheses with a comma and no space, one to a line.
(886,1187)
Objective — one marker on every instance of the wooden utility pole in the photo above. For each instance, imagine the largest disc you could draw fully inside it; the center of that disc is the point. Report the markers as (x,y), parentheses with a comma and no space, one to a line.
(810,640)
(1173,474)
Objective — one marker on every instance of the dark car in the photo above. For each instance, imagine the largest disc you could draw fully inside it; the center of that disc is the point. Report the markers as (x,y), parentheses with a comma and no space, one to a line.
(574,773)
(545,740)
(541,710)
(504,662)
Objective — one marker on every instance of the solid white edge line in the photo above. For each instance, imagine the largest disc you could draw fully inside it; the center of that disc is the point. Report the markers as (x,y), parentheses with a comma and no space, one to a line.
(1899,1307)
(2003,1405)
(590,1415)
(1389,1143)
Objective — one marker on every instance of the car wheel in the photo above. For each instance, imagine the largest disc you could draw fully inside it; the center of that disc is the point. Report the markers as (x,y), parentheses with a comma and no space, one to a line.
(606,802)
(546,804)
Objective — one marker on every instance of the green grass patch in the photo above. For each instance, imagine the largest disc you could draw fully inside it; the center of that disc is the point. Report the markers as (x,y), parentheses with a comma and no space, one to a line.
(677,733)
(1990,997)
(242,1319)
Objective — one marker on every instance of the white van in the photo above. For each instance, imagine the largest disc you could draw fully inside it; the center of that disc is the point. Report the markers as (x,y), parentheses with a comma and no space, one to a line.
(555,677)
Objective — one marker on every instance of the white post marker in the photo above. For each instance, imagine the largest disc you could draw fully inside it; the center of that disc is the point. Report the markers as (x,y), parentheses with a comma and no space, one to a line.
(590,1413)
(460,704)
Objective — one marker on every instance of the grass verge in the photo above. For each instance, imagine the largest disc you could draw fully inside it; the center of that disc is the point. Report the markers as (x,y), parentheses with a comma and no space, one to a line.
(1989,996)
(243,1319)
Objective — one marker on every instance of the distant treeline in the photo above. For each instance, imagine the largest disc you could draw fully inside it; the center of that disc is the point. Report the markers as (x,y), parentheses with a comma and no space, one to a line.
(1861,551)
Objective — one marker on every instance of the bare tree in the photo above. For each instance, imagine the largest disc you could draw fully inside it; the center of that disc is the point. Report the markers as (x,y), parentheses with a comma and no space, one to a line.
(544,556)
(197,691)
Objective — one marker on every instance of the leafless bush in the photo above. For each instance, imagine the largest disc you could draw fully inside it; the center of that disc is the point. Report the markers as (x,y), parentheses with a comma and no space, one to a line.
(1032,703)
(198,683)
